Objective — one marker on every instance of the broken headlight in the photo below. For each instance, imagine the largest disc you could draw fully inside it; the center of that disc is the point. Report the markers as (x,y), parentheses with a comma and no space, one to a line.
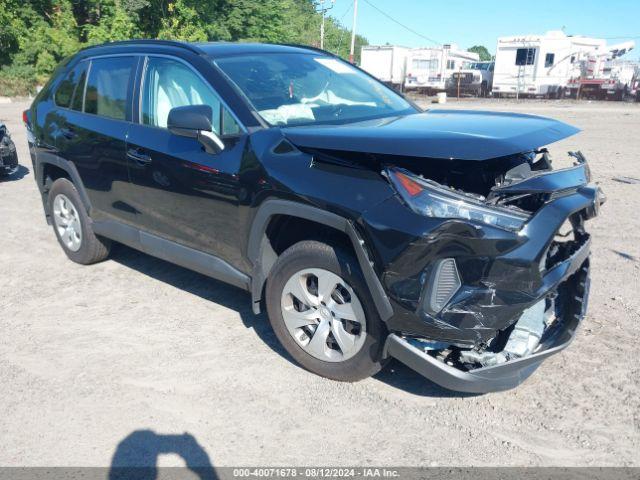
(433,200)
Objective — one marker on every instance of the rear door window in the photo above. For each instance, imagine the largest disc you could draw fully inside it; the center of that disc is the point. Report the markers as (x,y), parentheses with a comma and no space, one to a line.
(108,90)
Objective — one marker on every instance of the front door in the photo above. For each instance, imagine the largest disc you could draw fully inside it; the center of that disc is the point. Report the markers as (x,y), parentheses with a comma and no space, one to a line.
(180,192)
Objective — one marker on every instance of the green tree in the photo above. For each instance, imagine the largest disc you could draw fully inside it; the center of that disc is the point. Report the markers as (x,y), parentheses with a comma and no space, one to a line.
(482,51)
(111,20)
(35,35)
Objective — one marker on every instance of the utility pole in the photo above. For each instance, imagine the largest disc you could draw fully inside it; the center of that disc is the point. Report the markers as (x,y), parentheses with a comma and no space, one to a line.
(353,32)
(323,11)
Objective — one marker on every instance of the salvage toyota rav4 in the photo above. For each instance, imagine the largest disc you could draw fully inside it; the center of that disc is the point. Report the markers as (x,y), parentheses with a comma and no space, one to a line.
(368,228)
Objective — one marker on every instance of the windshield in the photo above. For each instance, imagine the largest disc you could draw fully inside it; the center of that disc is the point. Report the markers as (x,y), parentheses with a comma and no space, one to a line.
(306,89)
(479,66)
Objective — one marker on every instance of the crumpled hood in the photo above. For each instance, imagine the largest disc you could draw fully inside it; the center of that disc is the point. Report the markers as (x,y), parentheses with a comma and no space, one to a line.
(454,134)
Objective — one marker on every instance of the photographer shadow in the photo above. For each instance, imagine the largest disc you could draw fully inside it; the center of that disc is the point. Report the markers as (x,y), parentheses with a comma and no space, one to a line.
(136,457)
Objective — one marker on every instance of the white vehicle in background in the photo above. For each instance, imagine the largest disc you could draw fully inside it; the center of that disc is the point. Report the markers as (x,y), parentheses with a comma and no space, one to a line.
(476,79)
(429,69)
(539,65)
(387,63)
(602,75)
(634,89)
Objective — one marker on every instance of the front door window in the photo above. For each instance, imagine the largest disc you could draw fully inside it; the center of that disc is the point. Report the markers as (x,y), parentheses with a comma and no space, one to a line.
(169,84)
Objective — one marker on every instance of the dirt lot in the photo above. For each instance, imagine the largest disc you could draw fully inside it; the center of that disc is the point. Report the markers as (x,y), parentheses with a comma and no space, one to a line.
(138,351)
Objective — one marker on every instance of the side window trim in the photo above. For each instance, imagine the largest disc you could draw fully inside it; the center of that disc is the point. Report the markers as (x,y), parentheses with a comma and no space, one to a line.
(223,103)
(86,80)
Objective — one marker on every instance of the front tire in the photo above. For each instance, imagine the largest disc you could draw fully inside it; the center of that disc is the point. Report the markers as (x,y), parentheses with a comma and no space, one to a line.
(323,314)
(72,225)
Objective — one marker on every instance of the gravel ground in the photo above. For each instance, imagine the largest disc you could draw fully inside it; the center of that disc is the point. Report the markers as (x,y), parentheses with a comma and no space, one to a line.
(135,355)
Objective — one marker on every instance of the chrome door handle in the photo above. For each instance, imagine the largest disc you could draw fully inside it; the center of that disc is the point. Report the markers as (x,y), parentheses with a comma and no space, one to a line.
(139,156)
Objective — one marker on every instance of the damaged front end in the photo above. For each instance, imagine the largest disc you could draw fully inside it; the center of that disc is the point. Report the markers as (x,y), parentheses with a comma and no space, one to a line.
(485,283)
(482,251)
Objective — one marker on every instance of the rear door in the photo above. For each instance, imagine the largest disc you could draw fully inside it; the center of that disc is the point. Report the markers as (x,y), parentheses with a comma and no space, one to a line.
(181,192)
(93,129)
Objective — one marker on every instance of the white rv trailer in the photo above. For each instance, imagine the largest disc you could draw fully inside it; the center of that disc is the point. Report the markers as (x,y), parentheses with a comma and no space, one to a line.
(387,63)
(539,65)
(429,69)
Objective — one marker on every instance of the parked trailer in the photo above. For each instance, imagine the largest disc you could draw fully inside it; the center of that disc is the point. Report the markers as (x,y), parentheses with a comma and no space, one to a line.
(539,65)
(429,69)
(387,63)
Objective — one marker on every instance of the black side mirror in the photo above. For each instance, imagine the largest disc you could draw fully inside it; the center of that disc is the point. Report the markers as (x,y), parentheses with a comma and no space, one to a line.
(194,121)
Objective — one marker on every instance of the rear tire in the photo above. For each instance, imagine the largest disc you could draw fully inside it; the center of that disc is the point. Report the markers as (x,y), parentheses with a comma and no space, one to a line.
(333,289)
(72,225)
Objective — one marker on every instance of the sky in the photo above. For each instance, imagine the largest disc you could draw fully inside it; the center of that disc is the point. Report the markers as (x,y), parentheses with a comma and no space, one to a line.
(481,22)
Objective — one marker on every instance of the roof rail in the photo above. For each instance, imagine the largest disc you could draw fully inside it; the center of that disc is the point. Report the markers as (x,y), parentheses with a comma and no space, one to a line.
(308,47)
(145,41)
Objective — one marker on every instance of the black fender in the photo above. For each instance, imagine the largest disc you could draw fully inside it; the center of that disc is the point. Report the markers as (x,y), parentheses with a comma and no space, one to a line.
(72,171)
(262,256)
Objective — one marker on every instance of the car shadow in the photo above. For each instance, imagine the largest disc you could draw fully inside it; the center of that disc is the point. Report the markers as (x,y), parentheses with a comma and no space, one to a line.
(136,456)
(19,174)
(395,374)
(398,375)
(204,287)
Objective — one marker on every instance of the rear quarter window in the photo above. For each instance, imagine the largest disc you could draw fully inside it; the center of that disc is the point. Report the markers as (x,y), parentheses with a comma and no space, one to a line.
(108,87)
(64,93)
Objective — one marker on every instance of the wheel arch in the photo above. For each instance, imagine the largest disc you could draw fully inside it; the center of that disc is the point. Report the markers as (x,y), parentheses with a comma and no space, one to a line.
(56,164)
(262,255)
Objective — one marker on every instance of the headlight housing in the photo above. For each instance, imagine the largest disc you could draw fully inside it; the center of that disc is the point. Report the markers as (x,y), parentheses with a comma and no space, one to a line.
(433,200)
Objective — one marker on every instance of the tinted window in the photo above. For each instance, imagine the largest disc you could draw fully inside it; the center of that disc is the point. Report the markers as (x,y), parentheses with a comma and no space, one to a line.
(525,56)
(549,59)
(169,84)
(65,90)
(108,86)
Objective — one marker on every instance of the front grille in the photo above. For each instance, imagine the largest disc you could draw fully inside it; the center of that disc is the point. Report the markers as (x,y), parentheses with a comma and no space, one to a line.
(464,77)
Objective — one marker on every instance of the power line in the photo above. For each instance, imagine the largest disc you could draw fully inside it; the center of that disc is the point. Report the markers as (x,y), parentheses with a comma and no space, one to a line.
(345,12)
(402,24)
(343,29)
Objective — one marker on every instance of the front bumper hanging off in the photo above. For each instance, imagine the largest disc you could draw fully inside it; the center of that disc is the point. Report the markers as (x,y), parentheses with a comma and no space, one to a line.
(510,374)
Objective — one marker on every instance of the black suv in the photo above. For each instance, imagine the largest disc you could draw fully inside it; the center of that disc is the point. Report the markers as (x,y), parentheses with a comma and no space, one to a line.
(368,228)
